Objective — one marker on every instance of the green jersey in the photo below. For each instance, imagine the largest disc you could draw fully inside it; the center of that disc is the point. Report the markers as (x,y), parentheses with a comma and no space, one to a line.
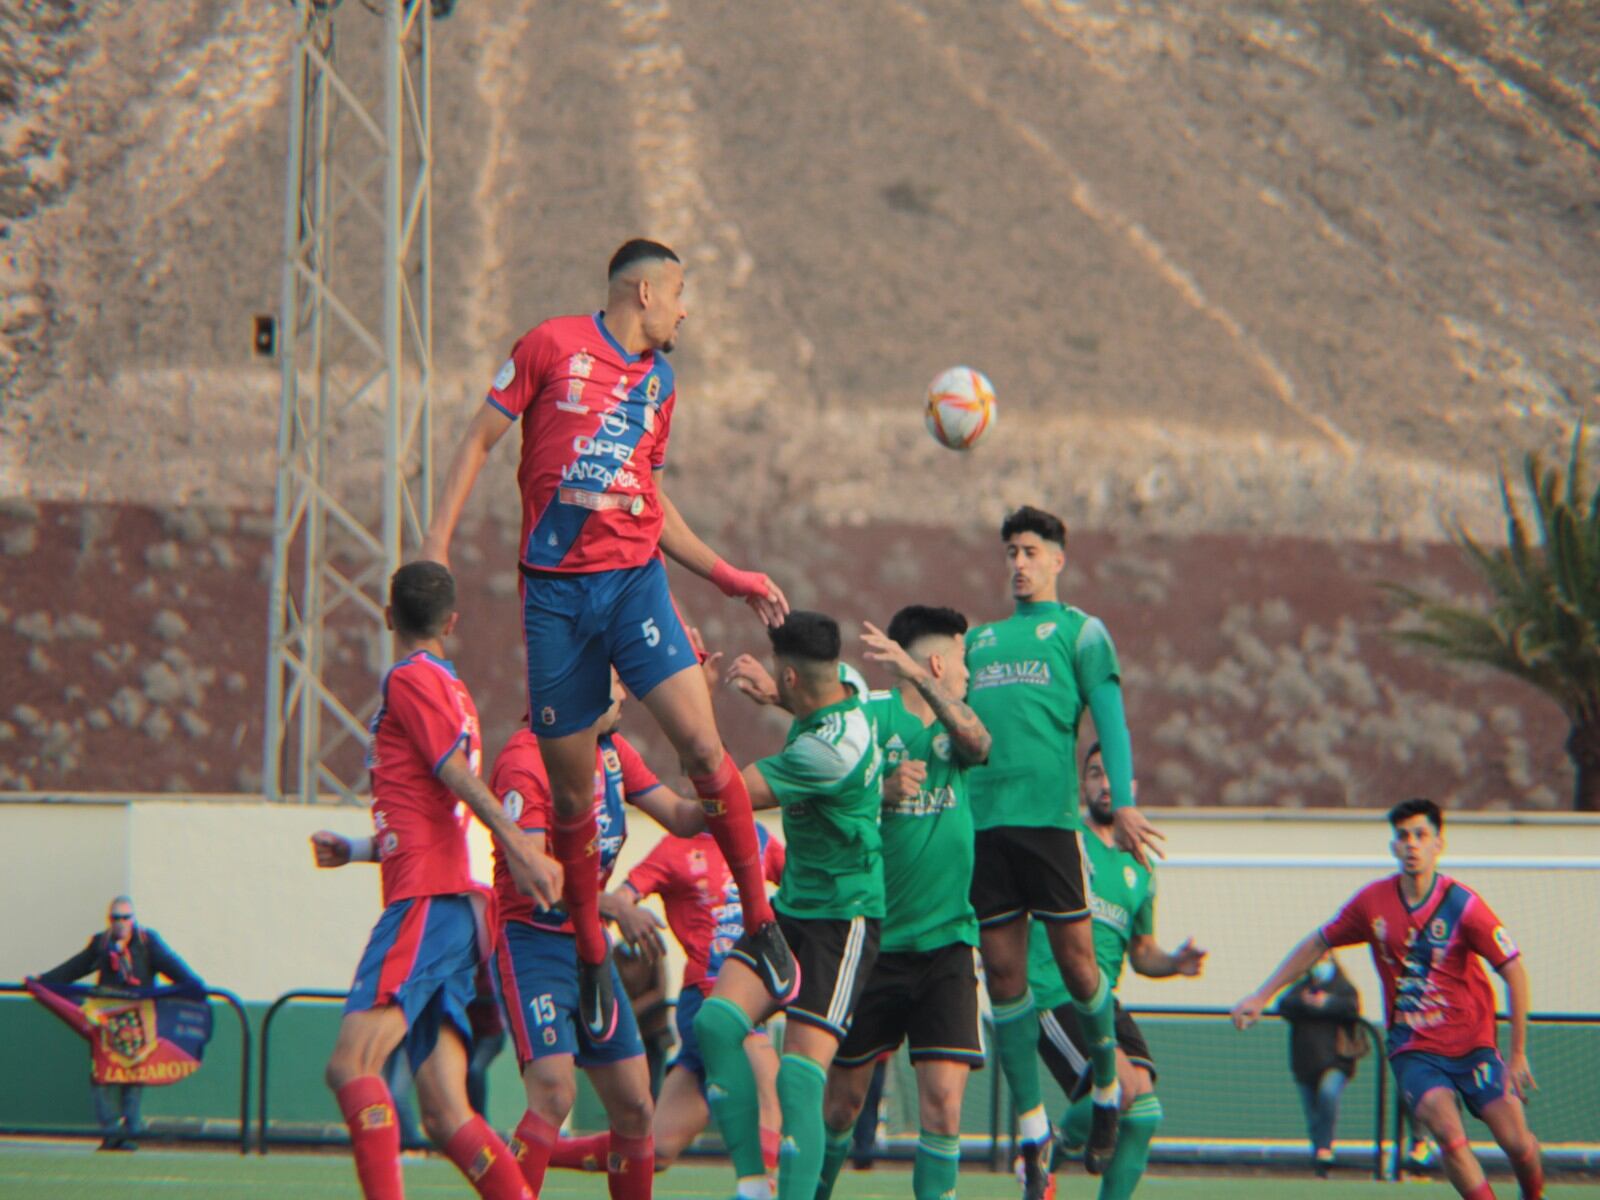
(1031,678)
(828,781)
(1123,901)
(927,839)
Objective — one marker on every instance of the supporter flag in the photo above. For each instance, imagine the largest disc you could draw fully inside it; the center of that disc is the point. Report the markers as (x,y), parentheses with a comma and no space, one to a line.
(147,1035)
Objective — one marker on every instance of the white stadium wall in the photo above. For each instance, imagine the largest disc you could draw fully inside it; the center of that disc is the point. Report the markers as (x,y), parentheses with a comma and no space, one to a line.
(230,883)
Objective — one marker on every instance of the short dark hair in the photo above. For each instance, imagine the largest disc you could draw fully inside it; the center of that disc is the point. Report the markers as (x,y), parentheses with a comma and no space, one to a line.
(1417,806)
(1094,748)
(807,637)
(1029,519)
(422,595)
(638,250)
(917,621)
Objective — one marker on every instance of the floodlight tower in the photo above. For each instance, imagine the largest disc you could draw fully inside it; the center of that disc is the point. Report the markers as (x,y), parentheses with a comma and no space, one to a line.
(354,485)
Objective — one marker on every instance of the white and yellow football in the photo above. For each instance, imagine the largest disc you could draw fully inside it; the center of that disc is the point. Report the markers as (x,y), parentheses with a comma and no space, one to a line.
(961,407)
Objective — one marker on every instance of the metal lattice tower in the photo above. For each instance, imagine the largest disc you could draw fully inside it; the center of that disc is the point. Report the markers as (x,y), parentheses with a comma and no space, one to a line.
(355,334)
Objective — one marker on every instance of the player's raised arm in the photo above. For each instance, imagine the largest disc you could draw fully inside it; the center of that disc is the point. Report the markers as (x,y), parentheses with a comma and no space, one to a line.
(488,426)
(684,546)
(535,873)
(968,736)
(1306,951)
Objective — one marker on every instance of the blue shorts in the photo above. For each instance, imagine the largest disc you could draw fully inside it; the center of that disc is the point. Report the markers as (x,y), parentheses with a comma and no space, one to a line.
(690,1000)
(423,955)
(1478,1078)
(538,974)
(575,627)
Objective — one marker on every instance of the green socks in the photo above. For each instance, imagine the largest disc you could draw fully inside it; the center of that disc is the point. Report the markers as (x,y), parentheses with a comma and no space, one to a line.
(1098,1017)
(1075,1124)
(730,1084)
(938,1163)
(835,1151)
(1016,1043)
(1127,1165)
(800,1085)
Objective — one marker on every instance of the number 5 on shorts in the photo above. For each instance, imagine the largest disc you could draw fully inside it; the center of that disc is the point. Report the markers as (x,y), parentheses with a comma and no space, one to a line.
(652,632)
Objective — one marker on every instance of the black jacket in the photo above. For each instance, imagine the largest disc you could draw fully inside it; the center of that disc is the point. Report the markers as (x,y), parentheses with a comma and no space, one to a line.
(146,957)
(1314,1028)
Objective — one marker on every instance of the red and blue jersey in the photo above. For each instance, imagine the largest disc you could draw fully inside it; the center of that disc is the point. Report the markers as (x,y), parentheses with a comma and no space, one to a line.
(520,781)
(420,828)
(701,898)
(1436,993)
(594,430)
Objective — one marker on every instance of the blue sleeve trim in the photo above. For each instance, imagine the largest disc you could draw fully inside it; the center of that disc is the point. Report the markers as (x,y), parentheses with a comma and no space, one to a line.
(654,787)
(445,757)
(506,412)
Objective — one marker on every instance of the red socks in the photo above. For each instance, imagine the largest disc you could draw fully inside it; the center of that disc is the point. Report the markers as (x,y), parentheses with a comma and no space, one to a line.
(581,1153)
(576,846)
(486,1162)
(631,1167)
(726,802)
(1482,1192)
(1530,1171)
(771,1141)
(368,1110)
(531,1146)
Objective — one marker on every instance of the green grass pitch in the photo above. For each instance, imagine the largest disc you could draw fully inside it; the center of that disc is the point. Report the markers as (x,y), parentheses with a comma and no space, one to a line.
(74,1171)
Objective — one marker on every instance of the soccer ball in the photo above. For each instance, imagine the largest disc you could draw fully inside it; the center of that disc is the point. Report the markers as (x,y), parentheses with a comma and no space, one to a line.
(960,407)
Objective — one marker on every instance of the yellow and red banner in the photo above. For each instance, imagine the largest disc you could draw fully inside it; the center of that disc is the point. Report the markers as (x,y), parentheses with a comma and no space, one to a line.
(151,1035)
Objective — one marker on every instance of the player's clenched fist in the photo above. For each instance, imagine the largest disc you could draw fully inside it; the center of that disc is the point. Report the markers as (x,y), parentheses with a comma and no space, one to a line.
(330,849)
(534,872)
(906,780)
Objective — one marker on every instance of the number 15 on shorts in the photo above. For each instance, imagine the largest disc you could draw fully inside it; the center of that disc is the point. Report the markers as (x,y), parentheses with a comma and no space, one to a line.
(543,1009)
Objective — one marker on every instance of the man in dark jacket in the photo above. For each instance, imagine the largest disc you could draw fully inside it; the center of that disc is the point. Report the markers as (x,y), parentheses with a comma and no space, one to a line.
(123,955)
(1323,1010)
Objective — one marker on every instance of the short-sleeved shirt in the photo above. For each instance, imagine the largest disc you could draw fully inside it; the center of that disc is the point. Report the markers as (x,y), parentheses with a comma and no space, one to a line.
(701,897)
(420,827)
(1435,990)
(519,780)
(1031,678)
(1122,901)
(927,838)
(827,779)
(595,421)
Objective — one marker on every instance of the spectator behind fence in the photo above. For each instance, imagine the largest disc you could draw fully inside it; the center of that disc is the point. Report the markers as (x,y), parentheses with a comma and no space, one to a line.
(123,955)
(1325,1039)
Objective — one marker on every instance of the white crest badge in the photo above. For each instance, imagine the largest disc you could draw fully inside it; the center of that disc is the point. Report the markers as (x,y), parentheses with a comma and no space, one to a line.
(652,390)
(1045,630)
(512,802)
(581,364)
(612,760)
(941,746)
(1130,877)
(504,376)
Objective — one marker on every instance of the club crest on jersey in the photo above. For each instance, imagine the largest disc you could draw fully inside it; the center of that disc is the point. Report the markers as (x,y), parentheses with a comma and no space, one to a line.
(1503,940)
(1045,630)
(388,844)
(612,760)
(1437,929)
(547,715)
(1130,877)
(941,746)
(504,376)
(574,401)
(652,390)
(581,364)
(1380,929)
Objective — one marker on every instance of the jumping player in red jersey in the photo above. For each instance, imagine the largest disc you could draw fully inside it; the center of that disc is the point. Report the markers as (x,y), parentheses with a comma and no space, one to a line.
(1427,932)
(537,964)
(422,964)
(704,914)
(595,396)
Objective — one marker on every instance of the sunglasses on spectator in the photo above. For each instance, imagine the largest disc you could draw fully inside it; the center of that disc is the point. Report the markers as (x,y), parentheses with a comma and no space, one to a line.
(122,916)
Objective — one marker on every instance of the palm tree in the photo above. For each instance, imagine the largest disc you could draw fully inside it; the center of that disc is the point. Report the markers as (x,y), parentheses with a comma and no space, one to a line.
(1542,622)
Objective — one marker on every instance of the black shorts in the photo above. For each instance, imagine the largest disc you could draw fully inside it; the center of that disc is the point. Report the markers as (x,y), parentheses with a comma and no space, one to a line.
(929,999)
(1020,869)
(835,958)
(1066,1051)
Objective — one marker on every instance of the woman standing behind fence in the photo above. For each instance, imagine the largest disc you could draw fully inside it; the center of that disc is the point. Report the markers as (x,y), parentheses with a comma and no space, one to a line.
(1325,1039)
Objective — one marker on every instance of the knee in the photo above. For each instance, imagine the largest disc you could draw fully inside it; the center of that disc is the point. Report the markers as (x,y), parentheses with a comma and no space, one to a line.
(440,1121)
(1079,970)
(631,1115)
(701,752)
(940,1109)
(552,1099)
(339,1071)
(840,1111)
